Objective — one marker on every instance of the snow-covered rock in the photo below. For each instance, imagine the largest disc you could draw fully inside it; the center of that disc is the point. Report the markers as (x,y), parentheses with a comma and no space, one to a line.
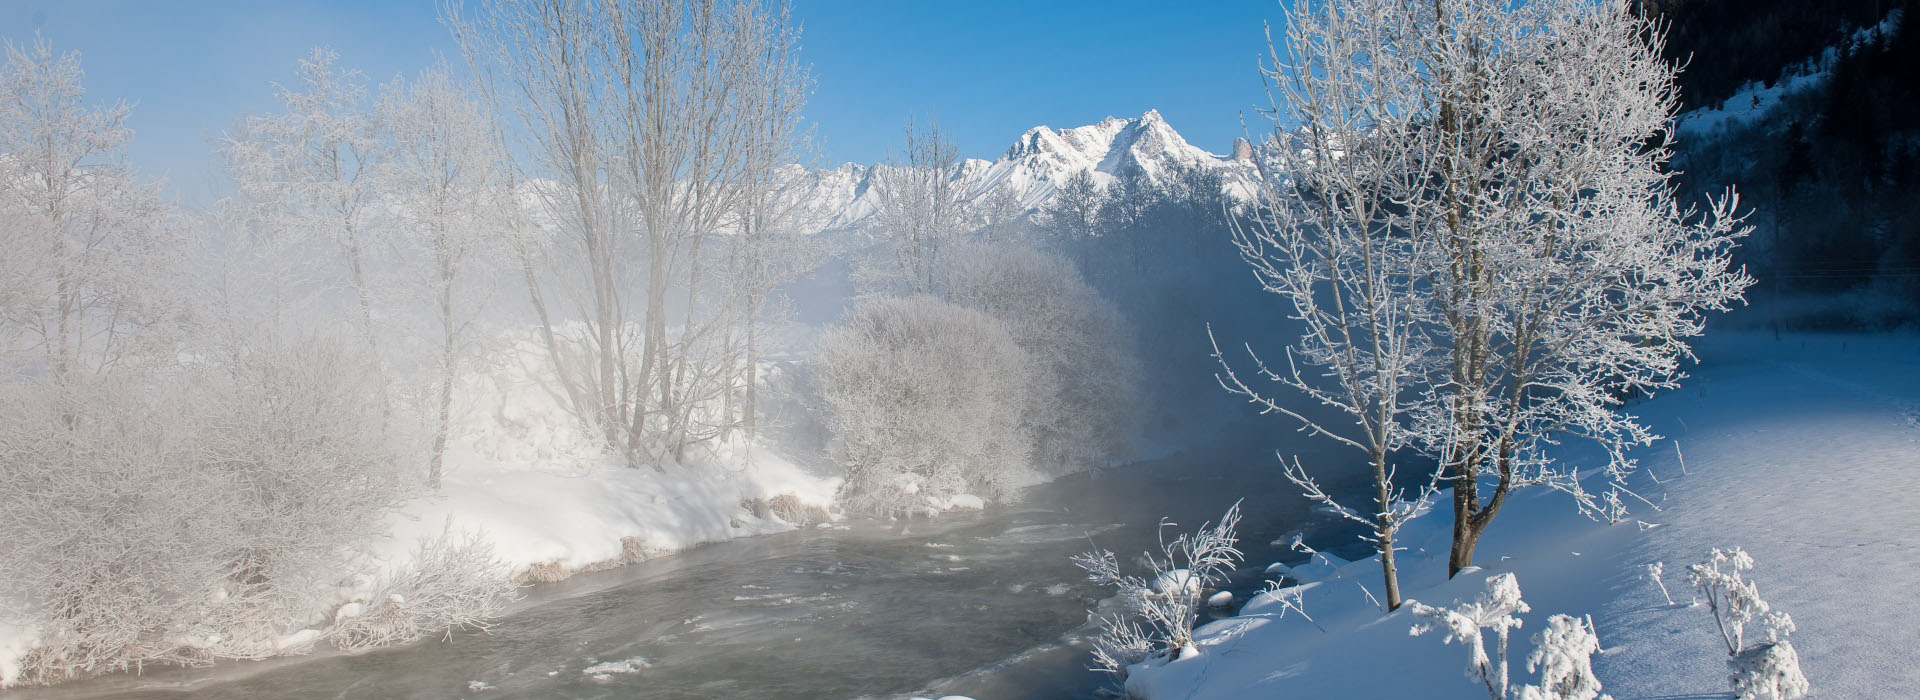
(1319,567)
(1176,582)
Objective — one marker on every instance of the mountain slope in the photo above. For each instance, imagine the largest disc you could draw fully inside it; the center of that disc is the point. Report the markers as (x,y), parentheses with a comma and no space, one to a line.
(1030,171)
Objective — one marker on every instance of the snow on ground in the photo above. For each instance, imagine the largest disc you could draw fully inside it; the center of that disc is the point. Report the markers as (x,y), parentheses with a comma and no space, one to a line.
(14,642)
(1754,101)
(522,474)
(546,522)
(1804,451)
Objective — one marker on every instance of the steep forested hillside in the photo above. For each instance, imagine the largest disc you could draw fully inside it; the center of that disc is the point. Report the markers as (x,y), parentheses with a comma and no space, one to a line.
(1812,110)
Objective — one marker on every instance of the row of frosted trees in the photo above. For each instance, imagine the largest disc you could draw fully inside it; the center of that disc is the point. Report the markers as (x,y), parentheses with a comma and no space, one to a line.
(207,414)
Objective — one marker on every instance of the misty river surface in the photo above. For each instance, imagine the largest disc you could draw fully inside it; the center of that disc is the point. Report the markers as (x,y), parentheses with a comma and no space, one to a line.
(983,604)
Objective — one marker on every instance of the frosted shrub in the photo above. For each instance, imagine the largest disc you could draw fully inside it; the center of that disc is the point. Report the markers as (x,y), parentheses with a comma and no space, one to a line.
(1160,608)
(1656,572)
(924,401)
(1497,610)
(98,506)
(308,461)
(1768,670)
(454,581)
(187,516)
(1562,654)
(1085,397)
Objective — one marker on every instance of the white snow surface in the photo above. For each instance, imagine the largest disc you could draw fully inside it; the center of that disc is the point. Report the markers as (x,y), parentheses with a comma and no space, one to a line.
(536,515)
(1318,567)
(1803,451)
(14,642)
(520,474)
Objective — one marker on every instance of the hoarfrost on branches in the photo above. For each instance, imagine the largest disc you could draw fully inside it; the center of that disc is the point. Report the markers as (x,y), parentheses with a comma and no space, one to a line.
(1468,207)
(1563,656)
(1768,670)
(1161,607)
(1562,653)
(923,399)
(1496,609)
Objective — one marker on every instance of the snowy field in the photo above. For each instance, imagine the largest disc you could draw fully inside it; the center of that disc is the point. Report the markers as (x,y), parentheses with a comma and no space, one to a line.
(1803,451)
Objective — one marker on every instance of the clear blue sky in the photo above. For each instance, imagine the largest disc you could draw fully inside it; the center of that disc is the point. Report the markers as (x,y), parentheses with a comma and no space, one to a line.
(988,70)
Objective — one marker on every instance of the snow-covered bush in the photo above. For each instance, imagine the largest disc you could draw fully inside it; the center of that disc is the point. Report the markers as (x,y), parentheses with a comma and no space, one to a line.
(452,581)
(307,459)
(1086,398)
(1497,609)
(1768,670)
(1562,653)
(198,514)
(924,401)
(104,548)
(1161,608)
(1563,656)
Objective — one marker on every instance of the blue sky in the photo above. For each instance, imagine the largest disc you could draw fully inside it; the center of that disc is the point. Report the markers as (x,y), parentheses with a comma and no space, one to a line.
(987,70)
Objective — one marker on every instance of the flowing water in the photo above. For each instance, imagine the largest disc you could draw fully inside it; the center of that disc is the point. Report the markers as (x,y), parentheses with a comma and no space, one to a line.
(986,605)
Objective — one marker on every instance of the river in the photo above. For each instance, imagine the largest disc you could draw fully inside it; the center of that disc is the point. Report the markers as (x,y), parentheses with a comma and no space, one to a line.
(986,605)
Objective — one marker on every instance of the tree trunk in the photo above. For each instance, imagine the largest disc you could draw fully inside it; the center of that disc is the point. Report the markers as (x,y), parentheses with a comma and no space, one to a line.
(653,352)
(1465,538)
(750,408)
(434,469)
(1383,528)
(1466,499)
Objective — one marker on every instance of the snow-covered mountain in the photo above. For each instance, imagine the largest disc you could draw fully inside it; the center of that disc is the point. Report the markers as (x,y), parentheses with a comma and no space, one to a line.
(1031,170)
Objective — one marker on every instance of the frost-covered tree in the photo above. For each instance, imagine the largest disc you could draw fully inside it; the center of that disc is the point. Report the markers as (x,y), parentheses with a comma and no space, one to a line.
(198,513)
(1084,390)
(1074,213)
(86,246)
(924,402)
(1133,210)
(761,257)
(642,120)
(1001,216)
(1330,236)
(1569,275)
(441,181)
(1521,149)
(1199,192)
(921,206)
(309,171)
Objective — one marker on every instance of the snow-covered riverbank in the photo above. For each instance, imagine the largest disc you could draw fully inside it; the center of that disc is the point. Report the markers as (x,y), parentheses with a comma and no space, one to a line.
(1803,451)
(545,523)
